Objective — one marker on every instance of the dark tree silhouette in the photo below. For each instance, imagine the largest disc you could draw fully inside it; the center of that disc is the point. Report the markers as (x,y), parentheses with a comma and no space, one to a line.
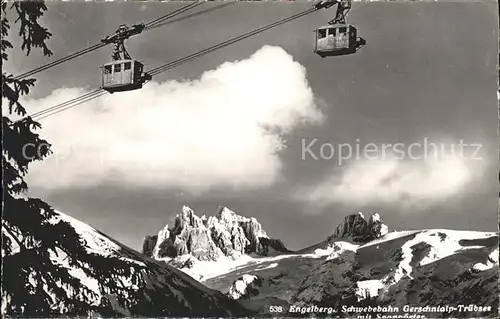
(32,284)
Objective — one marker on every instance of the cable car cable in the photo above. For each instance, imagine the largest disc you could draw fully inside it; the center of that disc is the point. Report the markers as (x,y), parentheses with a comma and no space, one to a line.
(221,45)
(86,95)
(185,8)
(194,14)
(59,61)
(99,94)
(149,25)
(165,67)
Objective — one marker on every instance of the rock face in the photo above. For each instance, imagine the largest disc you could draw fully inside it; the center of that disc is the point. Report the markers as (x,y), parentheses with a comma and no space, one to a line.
(357,229)
(376,228)
(245,287)
(148,245)
(225,234)
(271,247)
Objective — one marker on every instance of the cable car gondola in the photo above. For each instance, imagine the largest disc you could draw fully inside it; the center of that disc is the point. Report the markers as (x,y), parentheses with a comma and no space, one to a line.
(123,73)
(338,37)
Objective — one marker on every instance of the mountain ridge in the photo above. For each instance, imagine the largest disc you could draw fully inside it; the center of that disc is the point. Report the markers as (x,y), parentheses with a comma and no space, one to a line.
(353,231)
(226,234)
(360,263)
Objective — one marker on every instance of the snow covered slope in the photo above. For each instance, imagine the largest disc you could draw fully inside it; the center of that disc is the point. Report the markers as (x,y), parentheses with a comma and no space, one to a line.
(429,267)
(418,267)
(119,282)
(280,275)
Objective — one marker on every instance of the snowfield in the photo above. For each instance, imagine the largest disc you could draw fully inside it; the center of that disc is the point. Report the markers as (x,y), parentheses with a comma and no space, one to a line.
(204,270)
(441,243)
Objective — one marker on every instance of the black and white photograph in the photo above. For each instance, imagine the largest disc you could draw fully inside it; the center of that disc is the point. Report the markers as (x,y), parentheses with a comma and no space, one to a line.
(249,159)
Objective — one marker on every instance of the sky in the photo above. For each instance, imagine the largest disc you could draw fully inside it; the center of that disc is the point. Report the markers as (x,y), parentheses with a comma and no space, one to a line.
(252,126)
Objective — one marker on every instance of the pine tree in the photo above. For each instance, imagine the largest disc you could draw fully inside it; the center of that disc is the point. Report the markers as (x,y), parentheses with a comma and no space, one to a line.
(32,284)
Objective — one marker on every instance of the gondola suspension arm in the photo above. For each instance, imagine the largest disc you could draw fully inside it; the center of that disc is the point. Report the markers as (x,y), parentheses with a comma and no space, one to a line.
(343,8)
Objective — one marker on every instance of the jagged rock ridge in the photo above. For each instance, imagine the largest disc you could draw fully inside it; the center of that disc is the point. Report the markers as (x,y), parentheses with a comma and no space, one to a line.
(357,229)
(207,239)
(354,229)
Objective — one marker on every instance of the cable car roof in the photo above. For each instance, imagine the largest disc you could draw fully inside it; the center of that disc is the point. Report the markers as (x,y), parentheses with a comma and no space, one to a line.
(122,61)
(329,26)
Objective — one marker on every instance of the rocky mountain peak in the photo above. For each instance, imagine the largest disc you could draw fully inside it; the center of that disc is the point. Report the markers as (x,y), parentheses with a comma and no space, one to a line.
(187,217)
(225,234)
(375,218)
(356,228)
(225,214)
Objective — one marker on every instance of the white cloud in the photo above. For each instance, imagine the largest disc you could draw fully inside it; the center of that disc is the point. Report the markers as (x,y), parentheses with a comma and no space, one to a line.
(391,180)
(218,130)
